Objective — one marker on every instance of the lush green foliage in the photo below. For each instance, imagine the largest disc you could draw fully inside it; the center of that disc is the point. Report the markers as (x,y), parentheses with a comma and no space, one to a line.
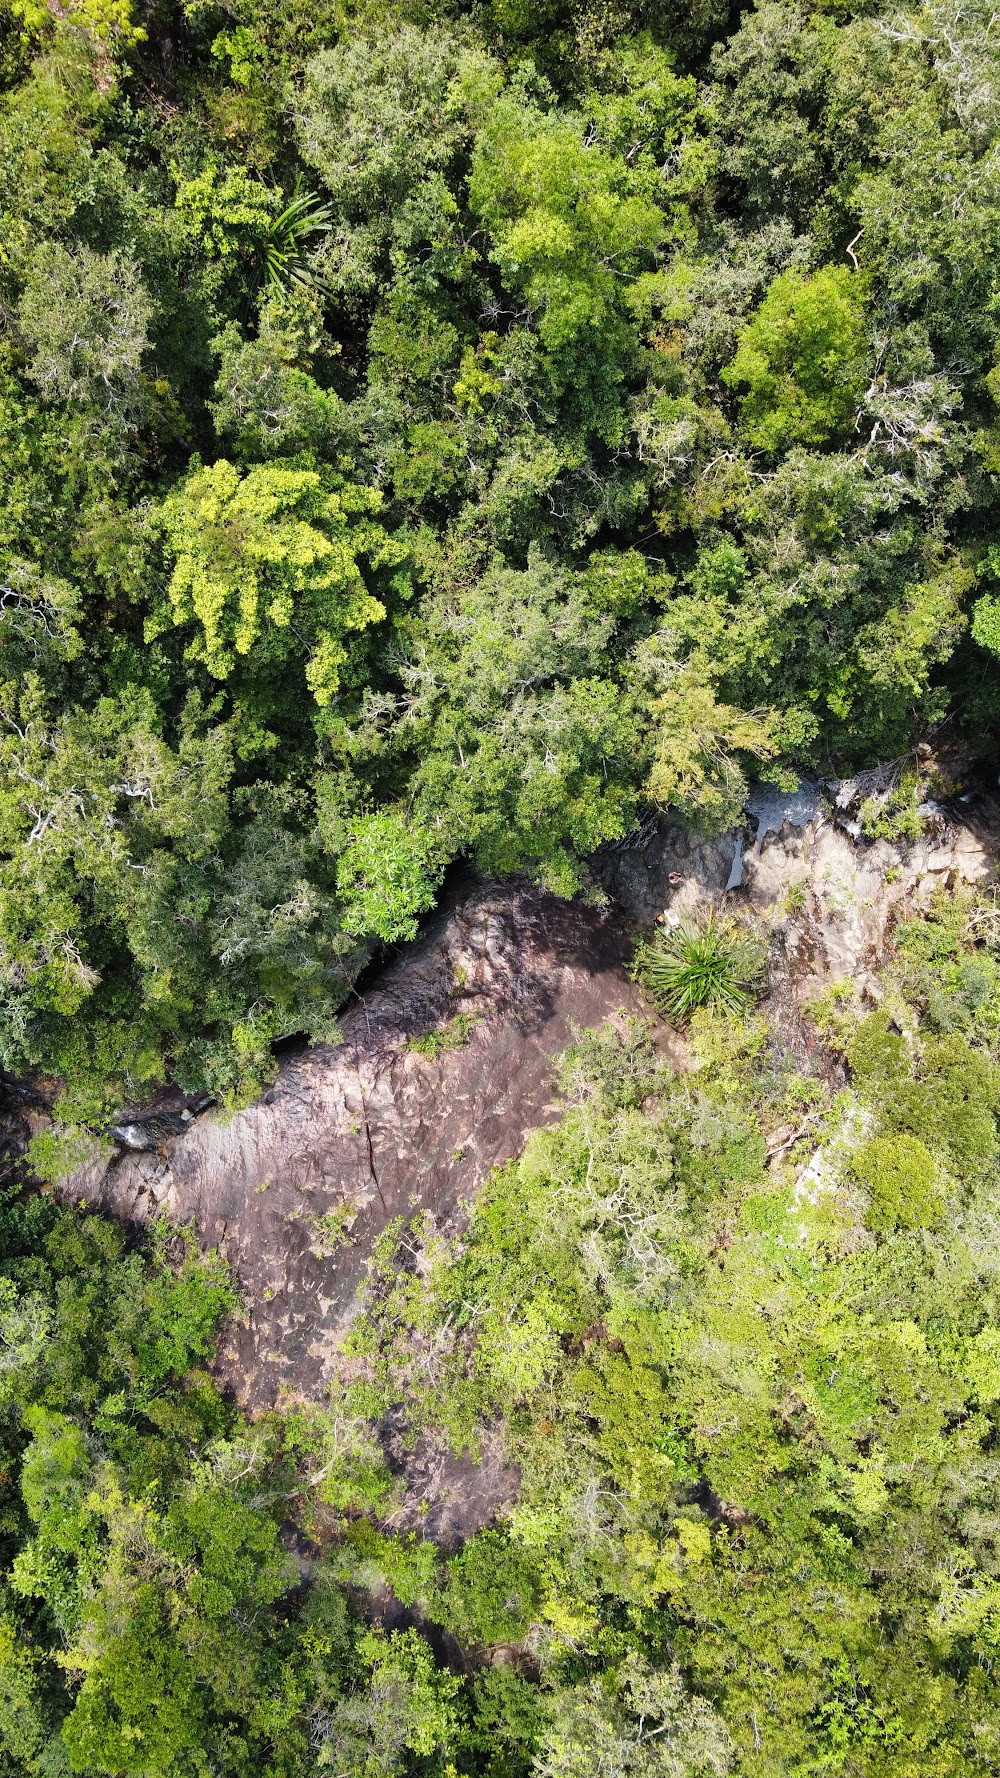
(802,356)
(754,1403)
(687,967)
(448,431)
(150,1622)
(738,1331)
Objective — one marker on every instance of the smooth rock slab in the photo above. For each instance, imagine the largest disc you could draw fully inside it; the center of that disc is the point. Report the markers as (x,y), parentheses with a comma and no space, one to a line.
(375,1130)
(375,1126)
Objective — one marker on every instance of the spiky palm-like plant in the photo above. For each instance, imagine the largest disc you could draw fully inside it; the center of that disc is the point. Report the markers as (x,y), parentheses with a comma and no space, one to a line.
(280,260)
(699,965)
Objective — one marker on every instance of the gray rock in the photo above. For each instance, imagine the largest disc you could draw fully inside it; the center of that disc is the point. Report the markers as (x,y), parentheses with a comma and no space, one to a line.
(735,878)
(771,807)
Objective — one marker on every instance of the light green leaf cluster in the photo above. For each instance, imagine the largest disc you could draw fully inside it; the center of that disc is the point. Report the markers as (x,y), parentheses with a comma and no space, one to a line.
(271,557)
(801,357)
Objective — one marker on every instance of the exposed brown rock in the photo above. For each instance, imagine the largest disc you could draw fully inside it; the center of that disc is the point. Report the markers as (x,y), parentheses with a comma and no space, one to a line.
(374,1125)
(373,1129)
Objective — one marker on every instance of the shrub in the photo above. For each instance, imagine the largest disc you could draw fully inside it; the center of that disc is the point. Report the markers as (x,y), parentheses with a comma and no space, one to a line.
(451,1036)
(894,814)
(704,965)
(492,1593)
(904,1181)
(877,1055)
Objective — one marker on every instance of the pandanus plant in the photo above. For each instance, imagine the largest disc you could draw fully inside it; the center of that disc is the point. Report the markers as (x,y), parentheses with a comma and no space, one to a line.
(280,260)
(703,964)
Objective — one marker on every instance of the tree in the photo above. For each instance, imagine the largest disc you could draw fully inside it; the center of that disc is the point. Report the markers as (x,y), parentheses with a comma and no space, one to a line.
(645,1724)
(801,357)
(387,874)
(383,121)
(569,228)
(86,315)
(268,562)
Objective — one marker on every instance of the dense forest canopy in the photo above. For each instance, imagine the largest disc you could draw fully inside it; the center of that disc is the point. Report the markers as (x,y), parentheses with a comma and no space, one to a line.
(444,432)
(436,432)
(737,1328)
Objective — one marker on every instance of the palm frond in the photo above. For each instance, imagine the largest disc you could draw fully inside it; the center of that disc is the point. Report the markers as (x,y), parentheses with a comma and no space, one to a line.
(280,259)
(699,965)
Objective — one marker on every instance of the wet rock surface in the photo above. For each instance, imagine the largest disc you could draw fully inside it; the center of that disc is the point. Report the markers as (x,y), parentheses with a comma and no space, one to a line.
(296,1189)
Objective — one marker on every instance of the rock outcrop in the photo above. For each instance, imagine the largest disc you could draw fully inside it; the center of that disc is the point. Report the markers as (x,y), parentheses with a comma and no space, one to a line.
(448,1059)
(295,1189)
(827,901)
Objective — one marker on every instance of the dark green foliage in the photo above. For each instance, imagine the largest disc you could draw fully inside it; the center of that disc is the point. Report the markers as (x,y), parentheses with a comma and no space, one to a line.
(492,1592)
(443,432)
(432,431)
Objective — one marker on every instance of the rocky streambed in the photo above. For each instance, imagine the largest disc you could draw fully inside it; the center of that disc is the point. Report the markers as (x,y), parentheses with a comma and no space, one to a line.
(445,1063)
(448,1056)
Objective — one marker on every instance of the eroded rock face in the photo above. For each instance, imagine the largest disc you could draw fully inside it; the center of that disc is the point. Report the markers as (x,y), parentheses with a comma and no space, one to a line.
(828,902)
(350,1137)
(373,1129)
